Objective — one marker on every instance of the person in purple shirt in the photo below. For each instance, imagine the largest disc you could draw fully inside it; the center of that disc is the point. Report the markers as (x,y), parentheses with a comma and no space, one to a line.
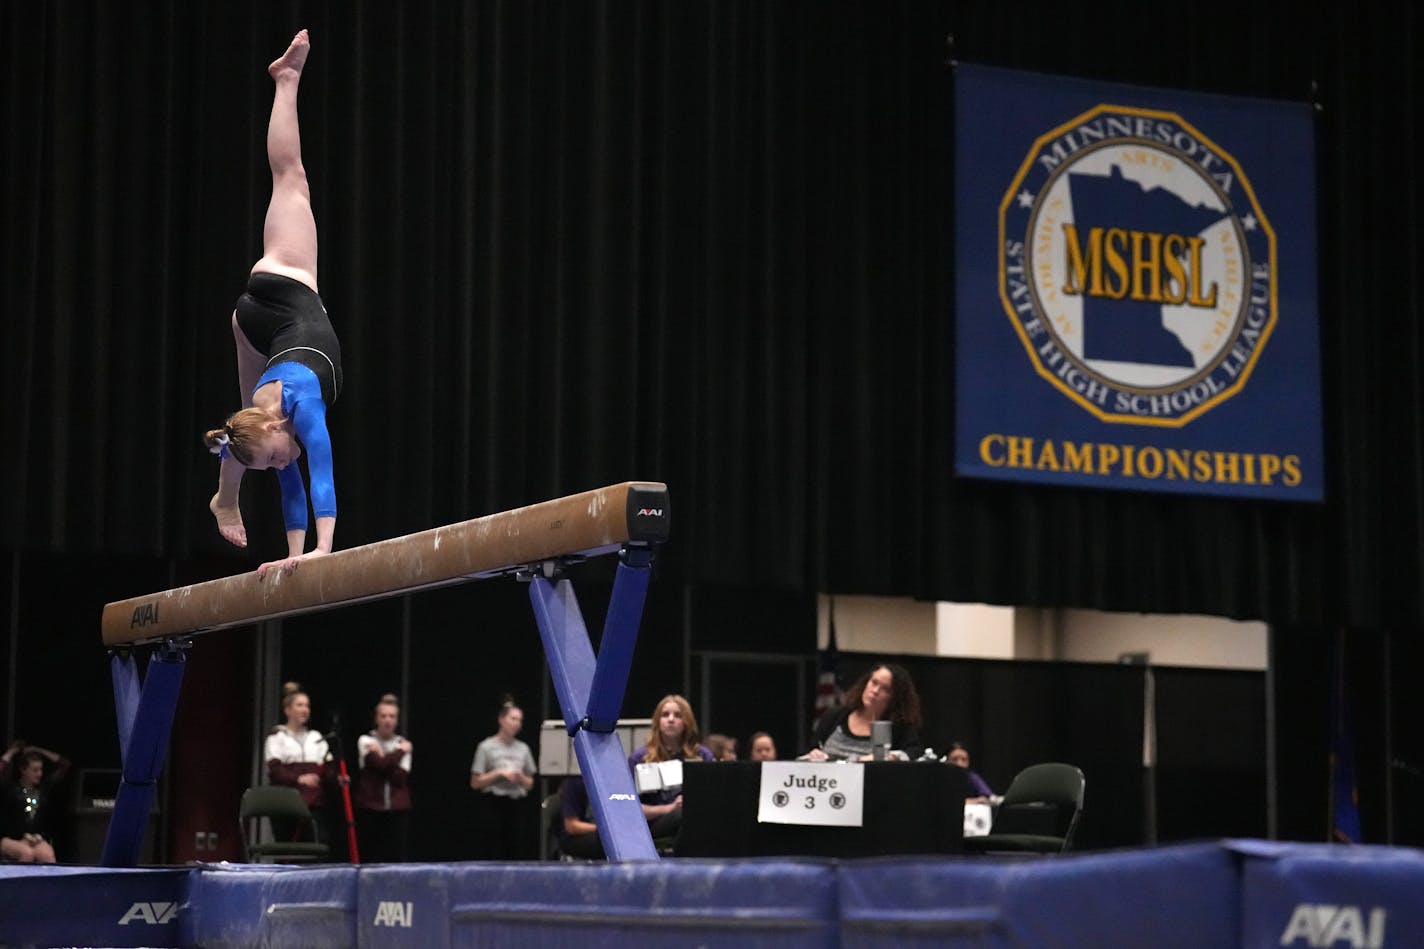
(578,834)
(673,737)
(979,792)
(288,356)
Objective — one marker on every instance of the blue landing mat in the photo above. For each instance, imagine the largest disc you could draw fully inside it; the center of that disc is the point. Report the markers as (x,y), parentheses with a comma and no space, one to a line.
(1223,894)
(91,906)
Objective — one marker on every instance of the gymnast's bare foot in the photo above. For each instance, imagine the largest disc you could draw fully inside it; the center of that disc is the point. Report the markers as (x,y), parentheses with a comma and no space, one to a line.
(290,63)
(229,520)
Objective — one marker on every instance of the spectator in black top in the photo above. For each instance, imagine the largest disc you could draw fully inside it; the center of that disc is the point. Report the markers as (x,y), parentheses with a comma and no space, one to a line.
(27,806)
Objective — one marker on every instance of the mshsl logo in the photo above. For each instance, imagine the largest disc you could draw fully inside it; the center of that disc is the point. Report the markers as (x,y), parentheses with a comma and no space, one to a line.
(1137,266)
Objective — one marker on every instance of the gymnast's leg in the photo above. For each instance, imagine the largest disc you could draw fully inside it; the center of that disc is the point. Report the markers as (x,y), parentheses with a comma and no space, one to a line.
(289,232)
(288,248)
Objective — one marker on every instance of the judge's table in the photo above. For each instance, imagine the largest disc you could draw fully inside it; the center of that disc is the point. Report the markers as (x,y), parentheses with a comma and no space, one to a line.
(907,807)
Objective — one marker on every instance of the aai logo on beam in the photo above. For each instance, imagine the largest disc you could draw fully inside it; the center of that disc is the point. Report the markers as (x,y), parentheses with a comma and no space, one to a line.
(1137,266)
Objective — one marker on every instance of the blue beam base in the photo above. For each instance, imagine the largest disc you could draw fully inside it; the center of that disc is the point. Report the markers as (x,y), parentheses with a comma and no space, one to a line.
(586,684)
(613,796)
(620,636)
(147,724)
(124,670)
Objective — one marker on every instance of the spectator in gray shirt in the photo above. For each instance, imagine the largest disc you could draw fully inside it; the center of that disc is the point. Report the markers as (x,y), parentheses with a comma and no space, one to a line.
(502,773)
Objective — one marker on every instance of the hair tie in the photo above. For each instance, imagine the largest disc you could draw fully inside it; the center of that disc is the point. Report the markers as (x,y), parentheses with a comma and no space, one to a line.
(219,447)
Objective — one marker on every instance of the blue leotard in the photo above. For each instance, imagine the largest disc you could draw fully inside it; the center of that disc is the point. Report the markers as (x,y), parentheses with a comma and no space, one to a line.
(284,320)
(303,404)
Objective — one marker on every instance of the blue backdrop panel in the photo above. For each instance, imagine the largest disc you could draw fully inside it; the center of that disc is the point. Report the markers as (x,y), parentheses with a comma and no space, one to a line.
(1181,896)
(1331,895)
(639,904)
(272,906)
(403,905)
(1135,288)
(81,906)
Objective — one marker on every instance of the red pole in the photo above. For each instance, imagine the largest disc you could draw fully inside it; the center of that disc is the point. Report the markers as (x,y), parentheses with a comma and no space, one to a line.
(350,818)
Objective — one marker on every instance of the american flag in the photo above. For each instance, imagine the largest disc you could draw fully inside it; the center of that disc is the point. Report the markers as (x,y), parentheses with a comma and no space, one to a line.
(828,685)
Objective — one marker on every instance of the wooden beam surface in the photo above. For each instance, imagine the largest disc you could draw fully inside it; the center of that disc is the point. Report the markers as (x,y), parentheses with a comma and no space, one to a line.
(588,524)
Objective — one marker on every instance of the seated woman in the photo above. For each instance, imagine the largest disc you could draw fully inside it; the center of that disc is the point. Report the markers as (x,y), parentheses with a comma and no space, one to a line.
(27,805)
(885,693)
(673,737)
(723,747)
(979,791)
(578,834)
(763,747)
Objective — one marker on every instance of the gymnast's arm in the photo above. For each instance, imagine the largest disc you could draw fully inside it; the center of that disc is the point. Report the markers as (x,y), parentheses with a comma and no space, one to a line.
(309,420)
(294,508)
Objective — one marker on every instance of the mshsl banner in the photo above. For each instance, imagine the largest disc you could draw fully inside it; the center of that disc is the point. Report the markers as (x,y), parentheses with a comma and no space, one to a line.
(1135,274)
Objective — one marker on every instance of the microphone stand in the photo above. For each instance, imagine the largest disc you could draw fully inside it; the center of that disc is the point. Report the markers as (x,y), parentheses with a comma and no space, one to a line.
(344,779)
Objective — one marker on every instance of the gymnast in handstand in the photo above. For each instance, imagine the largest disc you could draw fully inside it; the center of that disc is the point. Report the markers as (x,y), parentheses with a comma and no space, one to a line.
(288,357)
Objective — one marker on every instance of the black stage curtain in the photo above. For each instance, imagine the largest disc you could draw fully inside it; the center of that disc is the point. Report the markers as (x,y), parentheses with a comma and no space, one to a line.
(569,244)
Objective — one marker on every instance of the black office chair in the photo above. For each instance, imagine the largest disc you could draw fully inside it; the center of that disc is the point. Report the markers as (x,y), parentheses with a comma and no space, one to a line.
(1038,814)
(278,803)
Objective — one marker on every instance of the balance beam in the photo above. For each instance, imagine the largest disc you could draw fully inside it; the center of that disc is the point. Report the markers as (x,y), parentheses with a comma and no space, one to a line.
(580,525)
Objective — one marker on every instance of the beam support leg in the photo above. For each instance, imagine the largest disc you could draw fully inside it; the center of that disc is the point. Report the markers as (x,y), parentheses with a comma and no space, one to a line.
(620,637)
(148,723)
(586,685)
(124,670)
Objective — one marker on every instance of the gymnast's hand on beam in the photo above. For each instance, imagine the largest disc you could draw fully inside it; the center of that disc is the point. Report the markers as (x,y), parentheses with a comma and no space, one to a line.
(289,564)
